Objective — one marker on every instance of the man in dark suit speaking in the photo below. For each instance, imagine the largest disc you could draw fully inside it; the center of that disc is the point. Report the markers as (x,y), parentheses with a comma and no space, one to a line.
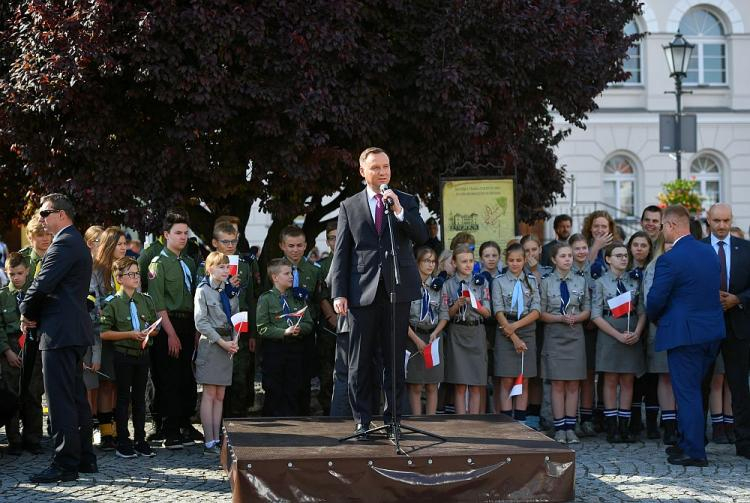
(734,262)
(362,280)
(55,305)
(684,304)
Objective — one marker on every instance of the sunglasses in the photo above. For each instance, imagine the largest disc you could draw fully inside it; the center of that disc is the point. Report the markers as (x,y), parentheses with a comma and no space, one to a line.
(46,213)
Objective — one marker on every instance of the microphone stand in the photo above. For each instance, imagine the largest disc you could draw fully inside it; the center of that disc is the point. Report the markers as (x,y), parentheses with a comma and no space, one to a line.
(395,425)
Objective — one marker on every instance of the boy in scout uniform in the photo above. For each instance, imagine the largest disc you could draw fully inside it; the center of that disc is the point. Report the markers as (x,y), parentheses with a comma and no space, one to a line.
(39,240)
(284,348)
(30,407)
(305,287)
(240,395)
(145,258)
(170,284)
(124,321)
(327,326)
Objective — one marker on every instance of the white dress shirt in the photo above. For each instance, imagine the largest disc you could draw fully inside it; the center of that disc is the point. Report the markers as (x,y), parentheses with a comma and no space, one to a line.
(372,200)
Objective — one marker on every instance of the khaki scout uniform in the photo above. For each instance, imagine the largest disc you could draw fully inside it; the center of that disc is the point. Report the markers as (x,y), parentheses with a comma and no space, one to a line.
(30,410)
(34,262)
(283,356)
(174,383)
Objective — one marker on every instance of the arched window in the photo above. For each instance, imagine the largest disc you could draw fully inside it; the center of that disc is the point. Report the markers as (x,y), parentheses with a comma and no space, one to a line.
(619,185)
(707,172)
(708,63)
(632,62)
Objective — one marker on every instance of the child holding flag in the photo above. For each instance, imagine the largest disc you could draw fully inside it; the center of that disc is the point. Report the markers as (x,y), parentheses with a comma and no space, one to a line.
(283,321)
(565,306)
(213,363)
(515,302)
(426,368)
(619,314)
(465,304)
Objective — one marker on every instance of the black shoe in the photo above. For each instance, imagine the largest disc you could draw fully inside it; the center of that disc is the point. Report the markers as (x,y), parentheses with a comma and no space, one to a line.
(719,435)
(126,451)
(108,443)
(670,433)
(674,450)
(88,467)
(156,436)
(191,433)
(15,450)
(686,461)
(143,449)
(34,449)
(627,436)
(53,474)
(613,434)
(173,442)
(730,434)
(361,432)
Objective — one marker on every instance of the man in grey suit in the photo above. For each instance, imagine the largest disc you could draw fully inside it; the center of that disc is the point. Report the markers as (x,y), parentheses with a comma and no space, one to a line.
(362,281)
(55,304)
(734,259)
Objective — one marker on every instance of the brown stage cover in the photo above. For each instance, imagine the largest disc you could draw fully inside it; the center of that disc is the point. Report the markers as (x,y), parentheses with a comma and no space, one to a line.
(486,458)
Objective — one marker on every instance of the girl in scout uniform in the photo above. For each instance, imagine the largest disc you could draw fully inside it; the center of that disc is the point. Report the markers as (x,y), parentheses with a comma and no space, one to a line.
(516,305)
(489,258)
(582,267)
(124,321)
(656,361)
(619,351)
(424,328)
(466,344)
(213,361)
(565,307)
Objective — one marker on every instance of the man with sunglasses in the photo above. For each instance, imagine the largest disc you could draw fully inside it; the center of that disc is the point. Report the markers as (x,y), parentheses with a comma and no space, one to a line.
(55,304)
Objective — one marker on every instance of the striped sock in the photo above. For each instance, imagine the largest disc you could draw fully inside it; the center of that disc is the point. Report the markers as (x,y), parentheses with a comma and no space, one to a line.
(623,413)
(559,424)
(610,412)
(668,415)
(652,408)
(728,419)
(586,414)
(520,415)
(717,418)
(570,422)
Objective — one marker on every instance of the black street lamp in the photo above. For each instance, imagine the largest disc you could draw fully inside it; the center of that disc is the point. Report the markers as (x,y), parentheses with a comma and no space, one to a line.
(678,54)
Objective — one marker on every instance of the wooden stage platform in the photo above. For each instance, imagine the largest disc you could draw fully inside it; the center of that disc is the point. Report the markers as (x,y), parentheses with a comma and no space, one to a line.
(486,459)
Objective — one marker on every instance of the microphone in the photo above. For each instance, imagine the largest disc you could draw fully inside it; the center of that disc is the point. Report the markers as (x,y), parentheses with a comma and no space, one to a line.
(383,187)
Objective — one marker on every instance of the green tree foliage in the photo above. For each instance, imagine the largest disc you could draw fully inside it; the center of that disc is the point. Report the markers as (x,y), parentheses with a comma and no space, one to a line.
(133,106)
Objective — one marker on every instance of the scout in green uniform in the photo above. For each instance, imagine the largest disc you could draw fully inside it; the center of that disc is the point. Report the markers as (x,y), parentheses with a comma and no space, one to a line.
(39,240)
(124,321)
(239,396)
(145,258)
(30,408)
(305,287)
(170,285)
(327,327)
(283,343)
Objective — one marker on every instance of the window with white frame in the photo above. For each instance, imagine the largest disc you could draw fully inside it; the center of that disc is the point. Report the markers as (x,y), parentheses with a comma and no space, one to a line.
(708,63)
(619,185)
(706,171)
(632,63)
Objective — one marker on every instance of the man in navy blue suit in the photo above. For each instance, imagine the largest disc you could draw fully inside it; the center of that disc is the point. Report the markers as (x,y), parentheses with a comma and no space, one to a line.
(684,303)
(55,305)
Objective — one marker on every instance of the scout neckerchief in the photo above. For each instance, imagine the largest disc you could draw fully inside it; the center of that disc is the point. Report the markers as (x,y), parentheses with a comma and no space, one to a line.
(620,287)
(463,309)
(564,295)
(295,275)
(285,309)
(186,274)
(517,298)
(134,319)
(425,311)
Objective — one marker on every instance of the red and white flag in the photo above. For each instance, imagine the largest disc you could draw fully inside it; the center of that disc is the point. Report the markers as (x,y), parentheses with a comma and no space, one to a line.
(239,321)
(234,265)
(22,340)
(296,314)
(466,292)
(620,305)
(517,388)
(431,354)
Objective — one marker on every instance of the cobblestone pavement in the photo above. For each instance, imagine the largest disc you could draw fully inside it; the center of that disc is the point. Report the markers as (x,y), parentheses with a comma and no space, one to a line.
(606,473)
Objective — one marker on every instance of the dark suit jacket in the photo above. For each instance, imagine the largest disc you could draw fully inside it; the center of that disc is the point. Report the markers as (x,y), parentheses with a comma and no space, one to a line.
(684,299)
(360,253)
(56,299)
(738,318)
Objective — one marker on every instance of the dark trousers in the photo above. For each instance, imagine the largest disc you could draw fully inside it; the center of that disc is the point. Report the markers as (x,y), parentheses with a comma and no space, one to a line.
(283,378)
(736,360)
(174,382)
(688,366)
(240,396)
(340,400)
(370,333)
(69,412)
(132,374)
(30,398)
(326,350)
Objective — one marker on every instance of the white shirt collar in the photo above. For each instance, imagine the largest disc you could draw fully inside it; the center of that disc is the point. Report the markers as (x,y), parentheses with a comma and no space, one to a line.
(371,193)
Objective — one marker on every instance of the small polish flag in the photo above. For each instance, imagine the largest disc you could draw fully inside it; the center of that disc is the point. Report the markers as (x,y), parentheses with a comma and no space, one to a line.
(22,340)
(239,321)
(466,292)
(234,264)
(517,388)
(620,305)
(296,314)
(431,354)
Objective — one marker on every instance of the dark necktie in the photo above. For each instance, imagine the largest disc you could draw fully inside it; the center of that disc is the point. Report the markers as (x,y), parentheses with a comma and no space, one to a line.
(620,287)
(564,296)
(723,263)
(379,213)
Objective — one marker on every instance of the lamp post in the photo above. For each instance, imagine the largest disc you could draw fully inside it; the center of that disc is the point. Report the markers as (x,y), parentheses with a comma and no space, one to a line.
(678,54)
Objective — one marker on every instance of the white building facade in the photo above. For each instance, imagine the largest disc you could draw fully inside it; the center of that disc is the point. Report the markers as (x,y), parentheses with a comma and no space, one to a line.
(615,164)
